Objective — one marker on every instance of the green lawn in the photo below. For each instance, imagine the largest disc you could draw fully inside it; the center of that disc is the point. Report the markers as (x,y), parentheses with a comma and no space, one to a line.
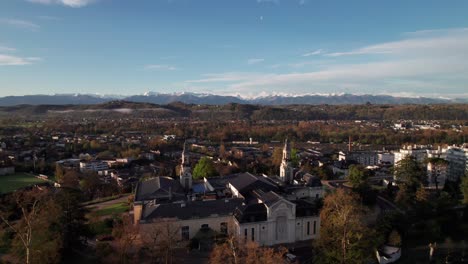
(10,183)
(112,209)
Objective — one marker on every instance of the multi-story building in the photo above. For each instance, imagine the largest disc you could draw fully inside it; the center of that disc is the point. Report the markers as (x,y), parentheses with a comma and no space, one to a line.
(416,151)
(457,163)
(94,165)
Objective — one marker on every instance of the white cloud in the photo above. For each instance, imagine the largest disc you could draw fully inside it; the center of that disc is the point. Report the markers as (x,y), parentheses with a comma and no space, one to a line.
(268,1)
(312,53)
(225,77)
(52,18)
(432,62)
(70,3)
(8,60)
(160,67)
(20,23)
(6,49)
(254,61)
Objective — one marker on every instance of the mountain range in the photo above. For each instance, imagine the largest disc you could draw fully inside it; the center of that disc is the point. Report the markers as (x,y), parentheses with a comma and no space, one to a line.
(212,99)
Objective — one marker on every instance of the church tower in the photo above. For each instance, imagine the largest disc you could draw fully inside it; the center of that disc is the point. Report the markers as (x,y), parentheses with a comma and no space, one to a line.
(286,170)
(185,170)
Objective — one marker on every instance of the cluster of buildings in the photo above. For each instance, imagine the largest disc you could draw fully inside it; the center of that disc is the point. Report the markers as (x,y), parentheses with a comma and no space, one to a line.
(266,209)
(442,164)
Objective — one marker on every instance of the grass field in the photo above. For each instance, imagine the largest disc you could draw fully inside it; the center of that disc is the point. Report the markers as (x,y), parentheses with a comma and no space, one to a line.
(112,209)
(10,183)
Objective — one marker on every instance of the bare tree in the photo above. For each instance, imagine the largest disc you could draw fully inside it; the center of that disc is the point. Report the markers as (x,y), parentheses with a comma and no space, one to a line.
(162,238)
(37,213)
(127,234)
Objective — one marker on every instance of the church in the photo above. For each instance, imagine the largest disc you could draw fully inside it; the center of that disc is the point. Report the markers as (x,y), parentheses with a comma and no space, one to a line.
(269,210)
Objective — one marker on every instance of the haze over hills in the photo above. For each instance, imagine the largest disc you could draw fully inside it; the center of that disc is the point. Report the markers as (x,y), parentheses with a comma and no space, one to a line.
(212,99)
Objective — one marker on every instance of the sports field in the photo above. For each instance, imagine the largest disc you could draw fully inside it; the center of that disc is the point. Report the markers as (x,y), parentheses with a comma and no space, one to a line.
(10,183)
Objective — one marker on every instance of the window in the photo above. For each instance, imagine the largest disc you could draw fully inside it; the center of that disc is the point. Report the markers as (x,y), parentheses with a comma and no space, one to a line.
(317,196)
(315,226)
(308,228)
(253,234)
(185,233)
(205,226)
(245,234)
(223,228)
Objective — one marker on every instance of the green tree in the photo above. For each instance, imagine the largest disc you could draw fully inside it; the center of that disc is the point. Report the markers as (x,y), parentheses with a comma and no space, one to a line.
(204,169)
(343,236)
(464,189)
(294,158)
(409,176)
(358,176)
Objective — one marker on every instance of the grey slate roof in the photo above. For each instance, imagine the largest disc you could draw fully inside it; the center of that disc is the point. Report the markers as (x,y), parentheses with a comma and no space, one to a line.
(251,213)
(158,187)
(270,198)
(246,182)
(190,210)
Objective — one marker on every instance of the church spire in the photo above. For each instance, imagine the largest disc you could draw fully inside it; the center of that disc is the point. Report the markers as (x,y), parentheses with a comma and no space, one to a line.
(185,170)
(286,170)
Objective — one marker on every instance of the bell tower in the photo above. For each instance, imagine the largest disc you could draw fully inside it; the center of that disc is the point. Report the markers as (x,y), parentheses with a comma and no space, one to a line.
(185,170)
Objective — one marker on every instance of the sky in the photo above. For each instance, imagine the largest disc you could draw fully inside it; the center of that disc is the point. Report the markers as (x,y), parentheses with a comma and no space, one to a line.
(248,48)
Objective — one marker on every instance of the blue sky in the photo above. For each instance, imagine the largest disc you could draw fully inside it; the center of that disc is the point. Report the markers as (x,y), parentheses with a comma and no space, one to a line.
(238,47)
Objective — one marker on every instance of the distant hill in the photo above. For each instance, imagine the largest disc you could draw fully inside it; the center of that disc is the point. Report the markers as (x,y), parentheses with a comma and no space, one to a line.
(65,99)
(211,99)
(235,111)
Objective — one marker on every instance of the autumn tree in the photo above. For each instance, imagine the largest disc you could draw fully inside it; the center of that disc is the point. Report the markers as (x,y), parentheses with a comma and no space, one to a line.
(343,236)
(58,172)
(233,251)
(222,151)
(204,169)
(277,156)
